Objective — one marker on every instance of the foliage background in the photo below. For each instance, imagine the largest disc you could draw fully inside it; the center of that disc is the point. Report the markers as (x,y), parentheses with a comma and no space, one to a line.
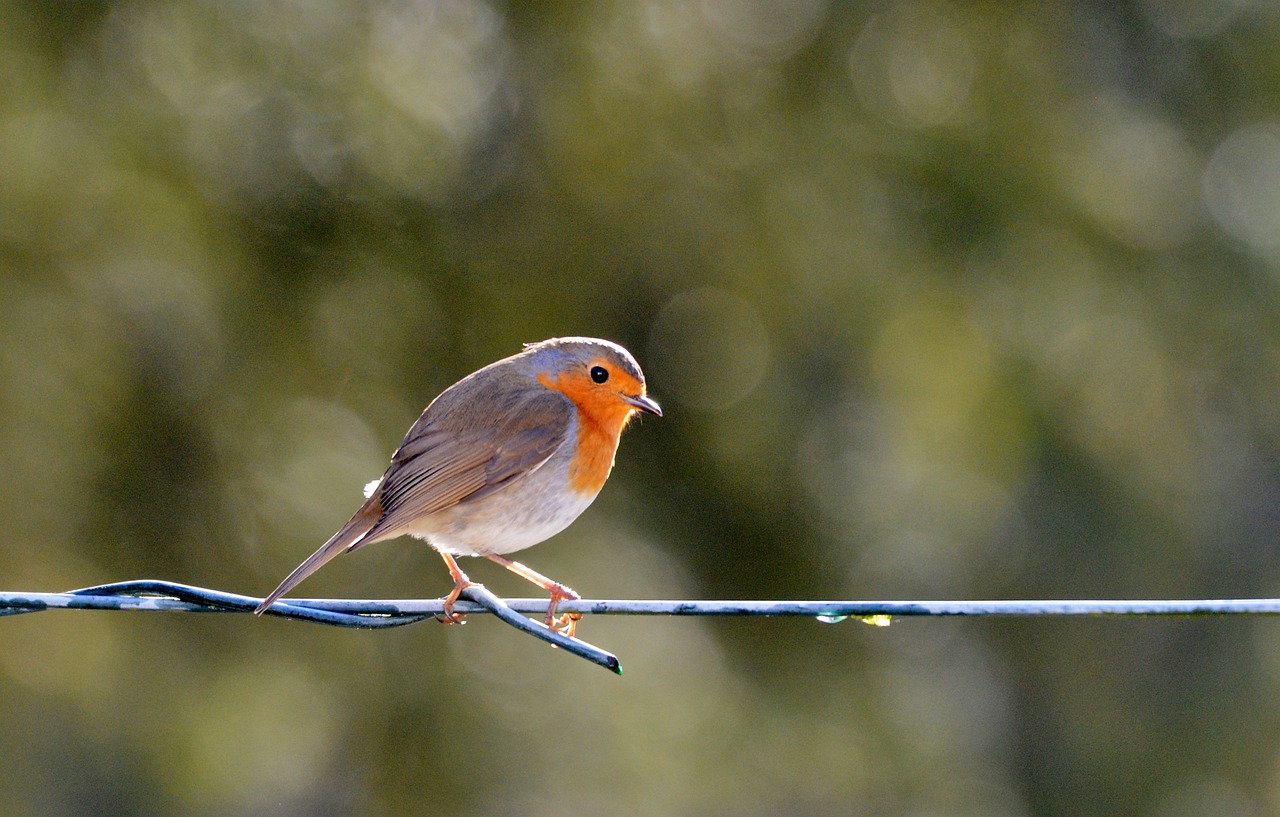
(943,300)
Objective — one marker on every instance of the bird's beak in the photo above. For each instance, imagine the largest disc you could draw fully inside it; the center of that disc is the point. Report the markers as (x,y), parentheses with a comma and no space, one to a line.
(645,404)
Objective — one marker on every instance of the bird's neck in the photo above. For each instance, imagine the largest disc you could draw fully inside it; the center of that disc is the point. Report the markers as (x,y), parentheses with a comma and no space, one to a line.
(601,419)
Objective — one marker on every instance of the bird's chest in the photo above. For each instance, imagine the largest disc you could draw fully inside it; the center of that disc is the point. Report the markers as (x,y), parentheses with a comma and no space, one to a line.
(597,446)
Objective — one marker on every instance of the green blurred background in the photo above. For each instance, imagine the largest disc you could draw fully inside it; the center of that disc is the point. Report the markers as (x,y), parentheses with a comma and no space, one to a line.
(942,301)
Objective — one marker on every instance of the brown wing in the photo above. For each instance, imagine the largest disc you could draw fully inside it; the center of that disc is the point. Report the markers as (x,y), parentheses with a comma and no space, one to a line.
(461,454)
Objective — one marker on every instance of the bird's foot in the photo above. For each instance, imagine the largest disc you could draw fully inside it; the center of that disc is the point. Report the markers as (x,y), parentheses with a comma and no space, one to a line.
(567,623)
(460,584)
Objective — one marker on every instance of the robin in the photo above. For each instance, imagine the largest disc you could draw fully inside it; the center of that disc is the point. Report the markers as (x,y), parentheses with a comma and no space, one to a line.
(501,460)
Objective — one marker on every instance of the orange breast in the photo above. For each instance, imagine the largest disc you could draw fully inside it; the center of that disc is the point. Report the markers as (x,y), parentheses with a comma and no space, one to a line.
(601,418)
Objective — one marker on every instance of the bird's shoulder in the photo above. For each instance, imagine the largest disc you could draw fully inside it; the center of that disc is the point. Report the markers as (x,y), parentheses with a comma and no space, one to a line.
(494,401)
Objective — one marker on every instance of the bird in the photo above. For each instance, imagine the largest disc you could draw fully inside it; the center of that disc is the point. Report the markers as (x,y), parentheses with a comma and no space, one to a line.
(501,460)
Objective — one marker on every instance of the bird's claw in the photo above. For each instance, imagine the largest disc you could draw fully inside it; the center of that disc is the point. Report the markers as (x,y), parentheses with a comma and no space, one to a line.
(450,617)
(567,623)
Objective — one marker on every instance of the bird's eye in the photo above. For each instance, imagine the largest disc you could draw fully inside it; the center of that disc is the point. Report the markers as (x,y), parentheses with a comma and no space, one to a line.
(599,374)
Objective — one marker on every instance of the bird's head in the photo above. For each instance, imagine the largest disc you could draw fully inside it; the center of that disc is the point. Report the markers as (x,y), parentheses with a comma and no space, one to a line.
(599,376)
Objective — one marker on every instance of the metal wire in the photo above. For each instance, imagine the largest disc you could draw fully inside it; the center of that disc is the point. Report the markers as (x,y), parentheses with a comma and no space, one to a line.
(165,596)
(155,594)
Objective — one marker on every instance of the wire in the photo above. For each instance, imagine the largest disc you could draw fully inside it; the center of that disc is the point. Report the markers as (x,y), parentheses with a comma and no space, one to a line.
(165,596)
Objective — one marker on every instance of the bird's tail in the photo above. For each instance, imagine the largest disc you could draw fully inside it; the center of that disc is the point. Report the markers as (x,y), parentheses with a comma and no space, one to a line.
(348,537)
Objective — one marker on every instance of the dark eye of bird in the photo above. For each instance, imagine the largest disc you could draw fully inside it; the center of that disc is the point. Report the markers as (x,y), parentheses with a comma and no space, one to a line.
(599,374)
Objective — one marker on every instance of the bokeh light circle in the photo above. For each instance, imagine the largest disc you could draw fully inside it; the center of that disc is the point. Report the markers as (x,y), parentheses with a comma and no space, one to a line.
(1242,186)
(708,348)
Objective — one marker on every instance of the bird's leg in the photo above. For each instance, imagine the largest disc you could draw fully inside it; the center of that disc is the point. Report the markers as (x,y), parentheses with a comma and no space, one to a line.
(566,623)
(460,583)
